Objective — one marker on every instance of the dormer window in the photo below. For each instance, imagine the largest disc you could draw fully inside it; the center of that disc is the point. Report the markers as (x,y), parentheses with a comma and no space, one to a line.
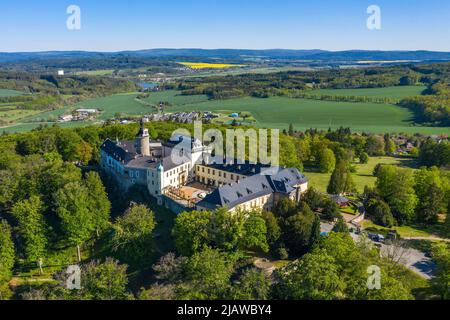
(239,195)
(249,191)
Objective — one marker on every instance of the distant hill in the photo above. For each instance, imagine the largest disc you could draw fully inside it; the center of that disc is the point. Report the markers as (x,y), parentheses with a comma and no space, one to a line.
(361,55)
(318,55)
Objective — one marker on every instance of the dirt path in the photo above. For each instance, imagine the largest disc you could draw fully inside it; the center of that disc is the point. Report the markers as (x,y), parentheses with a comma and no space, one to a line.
(427,238)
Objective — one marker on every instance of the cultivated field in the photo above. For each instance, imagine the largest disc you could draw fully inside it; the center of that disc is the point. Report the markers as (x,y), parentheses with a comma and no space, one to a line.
(279,112)
(389,92)
(174,98)
(10,93)
(274,112)
(203,65)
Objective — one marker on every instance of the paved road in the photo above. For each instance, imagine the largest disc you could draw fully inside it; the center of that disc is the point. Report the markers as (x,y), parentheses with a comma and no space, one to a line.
(418,262)
(413,259)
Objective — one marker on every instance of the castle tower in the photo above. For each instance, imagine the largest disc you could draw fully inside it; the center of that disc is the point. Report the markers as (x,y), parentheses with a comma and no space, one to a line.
(143,141)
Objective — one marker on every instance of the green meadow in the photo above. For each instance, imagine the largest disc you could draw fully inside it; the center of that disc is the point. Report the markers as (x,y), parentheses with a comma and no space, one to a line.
(279,112)
(174,98)
(399,92)
(363,175)
(274,112)
(10,93)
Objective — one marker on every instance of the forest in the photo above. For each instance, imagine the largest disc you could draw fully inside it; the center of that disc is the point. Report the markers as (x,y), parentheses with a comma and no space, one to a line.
(57,208)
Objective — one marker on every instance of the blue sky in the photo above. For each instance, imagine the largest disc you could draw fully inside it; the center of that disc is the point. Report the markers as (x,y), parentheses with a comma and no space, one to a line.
(29,25)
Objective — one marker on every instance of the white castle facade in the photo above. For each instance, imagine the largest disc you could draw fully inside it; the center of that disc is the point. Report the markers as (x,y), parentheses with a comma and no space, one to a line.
(237,186)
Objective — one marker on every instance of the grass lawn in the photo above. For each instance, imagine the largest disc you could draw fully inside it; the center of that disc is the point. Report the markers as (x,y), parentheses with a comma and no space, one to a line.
(363,175)
(399,92)
(409,231)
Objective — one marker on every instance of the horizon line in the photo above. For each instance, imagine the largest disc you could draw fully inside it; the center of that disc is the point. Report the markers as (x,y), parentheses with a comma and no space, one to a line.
(215,49)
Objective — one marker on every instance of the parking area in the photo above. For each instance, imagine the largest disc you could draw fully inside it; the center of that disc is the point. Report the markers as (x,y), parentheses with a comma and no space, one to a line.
(413,259)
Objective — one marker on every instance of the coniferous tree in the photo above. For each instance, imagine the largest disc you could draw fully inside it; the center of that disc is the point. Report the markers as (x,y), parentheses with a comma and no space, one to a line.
(380,213)
(291,130)
(341,180)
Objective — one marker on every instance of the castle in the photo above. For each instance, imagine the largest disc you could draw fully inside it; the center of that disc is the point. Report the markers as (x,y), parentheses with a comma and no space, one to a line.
(191,182)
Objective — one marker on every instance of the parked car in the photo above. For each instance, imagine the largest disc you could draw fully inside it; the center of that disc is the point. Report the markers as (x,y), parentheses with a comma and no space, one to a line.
(392,235)
(376,237)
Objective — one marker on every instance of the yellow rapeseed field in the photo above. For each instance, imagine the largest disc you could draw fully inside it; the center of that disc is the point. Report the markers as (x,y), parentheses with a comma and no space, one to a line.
(203,65)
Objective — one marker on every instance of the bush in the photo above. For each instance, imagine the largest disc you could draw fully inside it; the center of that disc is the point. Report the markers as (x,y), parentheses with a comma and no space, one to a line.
(282,253)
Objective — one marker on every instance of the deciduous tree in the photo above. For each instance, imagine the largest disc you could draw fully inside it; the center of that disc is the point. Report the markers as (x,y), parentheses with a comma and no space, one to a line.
(396,188)
(133,236)
(104,281)
(31,227)
(191,231)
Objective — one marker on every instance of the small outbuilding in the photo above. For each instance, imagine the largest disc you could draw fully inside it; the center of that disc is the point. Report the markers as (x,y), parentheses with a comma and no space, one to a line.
(341,201)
